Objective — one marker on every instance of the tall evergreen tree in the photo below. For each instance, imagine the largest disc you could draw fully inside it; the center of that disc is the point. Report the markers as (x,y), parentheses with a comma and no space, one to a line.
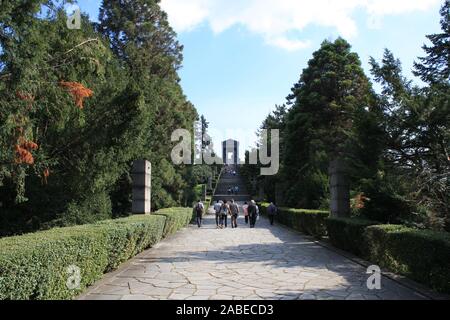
(146,45)
(331,92)
(435,67)
(75,112)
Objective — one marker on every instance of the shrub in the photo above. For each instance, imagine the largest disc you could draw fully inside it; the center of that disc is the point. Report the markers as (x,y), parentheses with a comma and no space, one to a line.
(128,236)
(422,255)
(348,234)
(35,266)
(176,219)
(311,222)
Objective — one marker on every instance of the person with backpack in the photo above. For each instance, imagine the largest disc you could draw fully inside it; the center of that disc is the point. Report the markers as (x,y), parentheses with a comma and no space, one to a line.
(272,212)
(224,211)
(199,210)
(252,213)
(234,212)
(217,207)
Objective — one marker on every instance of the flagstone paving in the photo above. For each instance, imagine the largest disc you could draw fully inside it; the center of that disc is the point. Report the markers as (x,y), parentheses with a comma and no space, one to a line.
(268,262)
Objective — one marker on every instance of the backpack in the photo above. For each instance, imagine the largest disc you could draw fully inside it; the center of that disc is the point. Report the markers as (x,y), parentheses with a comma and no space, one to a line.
(225,210)
(198,208)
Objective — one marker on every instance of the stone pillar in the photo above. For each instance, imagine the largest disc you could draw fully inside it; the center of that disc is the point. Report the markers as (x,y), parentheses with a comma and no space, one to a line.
(253,186)
(339,189)
(279,193)
(260,192)
(141,174)
(210,184)
(203,192)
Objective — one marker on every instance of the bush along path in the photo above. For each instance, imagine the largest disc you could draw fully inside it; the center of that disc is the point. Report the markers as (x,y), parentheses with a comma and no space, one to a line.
(421,255)
(268,262)
(60,263)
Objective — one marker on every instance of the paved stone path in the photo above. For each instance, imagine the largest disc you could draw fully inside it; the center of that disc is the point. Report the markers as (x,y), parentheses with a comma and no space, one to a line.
(262,263)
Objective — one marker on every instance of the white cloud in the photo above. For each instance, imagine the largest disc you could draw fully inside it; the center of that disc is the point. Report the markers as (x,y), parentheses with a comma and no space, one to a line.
(275,19)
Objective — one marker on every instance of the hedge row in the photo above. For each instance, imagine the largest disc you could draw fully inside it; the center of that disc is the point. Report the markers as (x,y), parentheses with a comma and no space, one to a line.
(176,219)
(421,255)
(42,264)
(311,222)
(348,234)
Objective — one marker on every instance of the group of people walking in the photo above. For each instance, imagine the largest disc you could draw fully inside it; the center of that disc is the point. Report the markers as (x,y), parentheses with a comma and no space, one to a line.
(224,209)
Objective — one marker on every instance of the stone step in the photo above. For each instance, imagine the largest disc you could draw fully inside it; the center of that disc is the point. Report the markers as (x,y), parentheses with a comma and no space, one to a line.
(241,197)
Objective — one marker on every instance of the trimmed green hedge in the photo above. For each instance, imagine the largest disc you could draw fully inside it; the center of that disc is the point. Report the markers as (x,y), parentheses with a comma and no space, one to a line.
(421,255)
(176,219)
(311,222)
(35,266)
(348,234)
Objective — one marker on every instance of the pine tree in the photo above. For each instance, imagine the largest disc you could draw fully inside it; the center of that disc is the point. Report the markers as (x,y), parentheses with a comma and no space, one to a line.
(146,45)
(332,91)
(435,67)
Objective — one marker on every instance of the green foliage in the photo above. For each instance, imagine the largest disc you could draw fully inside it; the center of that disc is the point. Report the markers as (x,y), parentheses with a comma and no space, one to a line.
(328,104)
(416,156)
(395,143)
(176,219)
(34,266)
(311,222)
(137,100)
(435,67)
(348,234)
(421,255)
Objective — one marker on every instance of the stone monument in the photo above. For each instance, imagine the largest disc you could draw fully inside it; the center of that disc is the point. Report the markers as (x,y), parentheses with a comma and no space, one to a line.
(141,174)
(339,189)
(230,146)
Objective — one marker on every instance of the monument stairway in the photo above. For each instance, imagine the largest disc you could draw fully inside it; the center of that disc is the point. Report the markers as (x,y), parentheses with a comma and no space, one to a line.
(229,180)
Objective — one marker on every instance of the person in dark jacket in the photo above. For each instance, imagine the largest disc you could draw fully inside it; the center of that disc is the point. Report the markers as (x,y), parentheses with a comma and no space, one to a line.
(272,211)
(224,211)
(199,210)
(234,211)
(252,213)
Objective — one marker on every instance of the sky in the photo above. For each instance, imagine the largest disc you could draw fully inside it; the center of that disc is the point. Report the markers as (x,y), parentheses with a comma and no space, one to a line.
(241,57)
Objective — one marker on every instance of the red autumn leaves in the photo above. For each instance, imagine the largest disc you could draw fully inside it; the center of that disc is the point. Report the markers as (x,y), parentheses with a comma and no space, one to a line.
(78,91)
(23,151)
(359,201)
(23,148)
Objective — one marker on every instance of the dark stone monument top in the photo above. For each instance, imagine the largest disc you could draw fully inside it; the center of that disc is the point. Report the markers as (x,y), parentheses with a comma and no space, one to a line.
(230,146)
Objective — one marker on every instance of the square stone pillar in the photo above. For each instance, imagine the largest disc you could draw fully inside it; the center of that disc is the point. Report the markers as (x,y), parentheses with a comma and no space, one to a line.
(203,192)
(260,192)
(280,190)
(141,174)
(210,184)
(339,189)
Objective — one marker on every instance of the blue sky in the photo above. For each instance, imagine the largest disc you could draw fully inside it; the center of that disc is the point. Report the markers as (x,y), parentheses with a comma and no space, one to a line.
(241,57)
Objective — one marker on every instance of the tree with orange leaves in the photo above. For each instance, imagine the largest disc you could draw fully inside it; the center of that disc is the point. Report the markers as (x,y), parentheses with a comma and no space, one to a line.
(78,91)
(23,151)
